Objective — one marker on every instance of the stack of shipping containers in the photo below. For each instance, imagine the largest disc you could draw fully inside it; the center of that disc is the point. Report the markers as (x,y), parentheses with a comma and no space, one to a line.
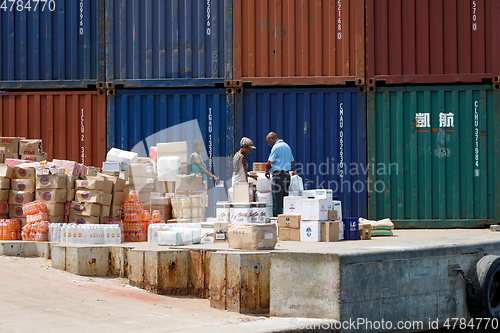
(432,70)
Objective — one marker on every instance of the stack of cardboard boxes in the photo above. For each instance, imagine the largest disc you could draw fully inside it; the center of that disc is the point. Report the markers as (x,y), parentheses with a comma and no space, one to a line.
(22,190)
(31,150)
(120,193)
(10,148)
(52,189)
(90,195)
(6,174)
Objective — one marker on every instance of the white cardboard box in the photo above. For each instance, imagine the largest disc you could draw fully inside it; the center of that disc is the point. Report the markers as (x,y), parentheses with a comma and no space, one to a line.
(123,156)
(292,205)
(310,231)
(173,149)
(321,194)
(314,210)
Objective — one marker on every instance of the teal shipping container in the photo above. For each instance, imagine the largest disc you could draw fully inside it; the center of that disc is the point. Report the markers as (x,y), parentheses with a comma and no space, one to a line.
(433,156)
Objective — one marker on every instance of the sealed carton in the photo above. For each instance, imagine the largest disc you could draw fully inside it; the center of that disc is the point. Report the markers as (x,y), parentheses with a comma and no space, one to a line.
(107,185)
(365,231)
(259,167)
(2,155)
(84,209)
(79,219)
(20,197)
(314,210)
(35,158)
(333,215)
(105,210)
(310,231)
(123,156)
(51,182)
(11,145)
(112,166)
(289,234)
(4,195)
(70,194)
(107,198)
(289,221)
(56,219)
(159,199)
(16,211)
(24,171)
(292,205)
(93,171)
(23,185)
(115,211)
(55,209)
(90,184)
(30,147)
(119,198)
(118,183)
(173,149)
(331,230)
(51,195)
(6,171)
(5,183)
(89,196)
(70,181)
(192,182)
(70,167)
(252,236)
(104,219)
(242,192)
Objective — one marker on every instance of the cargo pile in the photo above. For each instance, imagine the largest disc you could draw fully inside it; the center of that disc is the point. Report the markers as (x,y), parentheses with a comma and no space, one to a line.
(37,226)
(10,230)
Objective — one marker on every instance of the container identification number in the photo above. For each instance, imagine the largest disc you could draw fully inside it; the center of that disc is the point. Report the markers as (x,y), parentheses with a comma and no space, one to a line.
(474,16)
(476,136)
(339,21)
(81,17)
(209,16)
(82,130)
(210,142)
(28,5)
(341,140)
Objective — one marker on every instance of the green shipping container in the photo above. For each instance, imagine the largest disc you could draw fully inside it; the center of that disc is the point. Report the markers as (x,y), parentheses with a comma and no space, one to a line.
(433,156)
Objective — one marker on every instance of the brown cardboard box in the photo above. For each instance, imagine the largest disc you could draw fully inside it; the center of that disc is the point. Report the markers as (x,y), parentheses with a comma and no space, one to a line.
(51,182)
(56,219)
(93,171)
(192,182)
(2,155)
(365,231)
(333,215)
(4,195)
(35,158)
(104,219)
(27,185)
(70,194)
(242,192)
(289,234)
(107,185)
(289,221)
(20,197)
(4,216)
(220,231)
(158,199)
(30,147)
(6,171)
(252,236)
(118,183)
(105,211)
(11,144)
(22,171)
(89,196)
(84,209)
(115,211)
(51,195)
(142,177)
(5,183)
(259,167)
(83,219)
(111,173)
(90,184)
(163,209)
(107,199)
(55,209)
(119,198)
(16,211)
(70,181)
(330,231)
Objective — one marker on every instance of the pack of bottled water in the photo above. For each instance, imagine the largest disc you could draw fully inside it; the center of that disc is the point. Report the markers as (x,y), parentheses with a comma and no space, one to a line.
(85,233)
(174,234)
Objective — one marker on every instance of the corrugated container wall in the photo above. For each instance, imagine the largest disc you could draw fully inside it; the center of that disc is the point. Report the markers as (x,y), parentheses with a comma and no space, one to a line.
(55,44)
(433,156)
(326,130)
(281,42)
(72,124)
(139,119)
(167,43)
(438,41)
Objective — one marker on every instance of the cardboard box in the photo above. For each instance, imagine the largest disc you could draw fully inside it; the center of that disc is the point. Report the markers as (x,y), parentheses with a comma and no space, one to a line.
(115,211)
(118,183)
(259,167)
(6,171)
(51,195)
(330,231)
(159,199)
(173,149)
(56,219)
(89,196)
(16,211)
(123,156)
(93,171)
(2,155)
(5,183)
(314,210)
(333,215)
(119,198)
(20,197)
(153,153)
(310,231)
(4,195)
(35,158)
(365,231)
(79,219)
(70,181)
(22,185)
(105,211)
(289,221)
(30,147)
(4,216)
(112,166)
(289,234)
(55,209)
(103,219)
(192,182)
(51,182)
(220,231)
(107,184)
(242,192)
(11,144)
(252,236)
(292,205)
(70,194)
(107,198)
(23,171)
(90,184)
(84,209)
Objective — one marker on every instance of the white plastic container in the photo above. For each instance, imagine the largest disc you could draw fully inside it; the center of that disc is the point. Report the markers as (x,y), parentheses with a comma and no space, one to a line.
(168,168)
(296,185)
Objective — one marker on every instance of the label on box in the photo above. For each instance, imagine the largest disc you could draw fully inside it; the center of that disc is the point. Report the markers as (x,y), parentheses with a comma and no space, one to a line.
(150,168)
(220,236)
(268,236)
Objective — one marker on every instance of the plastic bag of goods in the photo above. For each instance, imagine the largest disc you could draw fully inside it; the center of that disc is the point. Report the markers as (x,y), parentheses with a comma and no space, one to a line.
(168,168)
(296,185)
(265,197)
(170,238)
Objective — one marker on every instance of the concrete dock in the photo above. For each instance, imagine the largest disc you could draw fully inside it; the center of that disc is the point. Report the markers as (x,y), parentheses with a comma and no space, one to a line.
(401,279)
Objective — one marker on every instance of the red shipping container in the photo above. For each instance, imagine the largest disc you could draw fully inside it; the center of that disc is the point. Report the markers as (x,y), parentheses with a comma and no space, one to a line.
(302,42)
(72,125)
(432,41)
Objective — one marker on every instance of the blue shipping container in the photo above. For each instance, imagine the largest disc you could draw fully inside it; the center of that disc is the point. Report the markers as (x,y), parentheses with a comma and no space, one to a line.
(326,129)
(168,43)
(53,44)
(139,119)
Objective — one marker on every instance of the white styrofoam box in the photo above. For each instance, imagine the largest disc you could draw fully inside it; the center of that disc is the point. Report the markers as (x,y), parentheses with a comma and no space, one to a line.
(337,205)
(118,155)
(325,194)
(292,205)
(314,210)
(266,197)
(310,231)
(263,184)
(169,238)
(168,168)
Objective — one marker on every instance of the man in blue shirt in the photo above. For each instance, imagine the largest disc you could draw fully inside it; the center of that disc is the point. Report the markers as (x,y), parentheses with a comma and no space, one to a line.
(279,163)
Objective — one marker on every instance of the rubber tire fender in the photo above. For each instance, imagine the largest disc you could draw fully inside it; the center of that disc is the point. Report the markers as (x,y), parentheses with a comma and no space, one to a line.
(483,296)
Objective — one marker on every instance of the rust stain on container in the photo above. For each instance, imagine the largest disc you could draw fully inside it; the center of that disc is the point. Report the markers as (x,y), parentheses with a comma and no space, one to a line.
(151,271)
(72,124)
(136,268)
(438,41)
(199,273)
(173,272)
(218,280)
(282,42)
